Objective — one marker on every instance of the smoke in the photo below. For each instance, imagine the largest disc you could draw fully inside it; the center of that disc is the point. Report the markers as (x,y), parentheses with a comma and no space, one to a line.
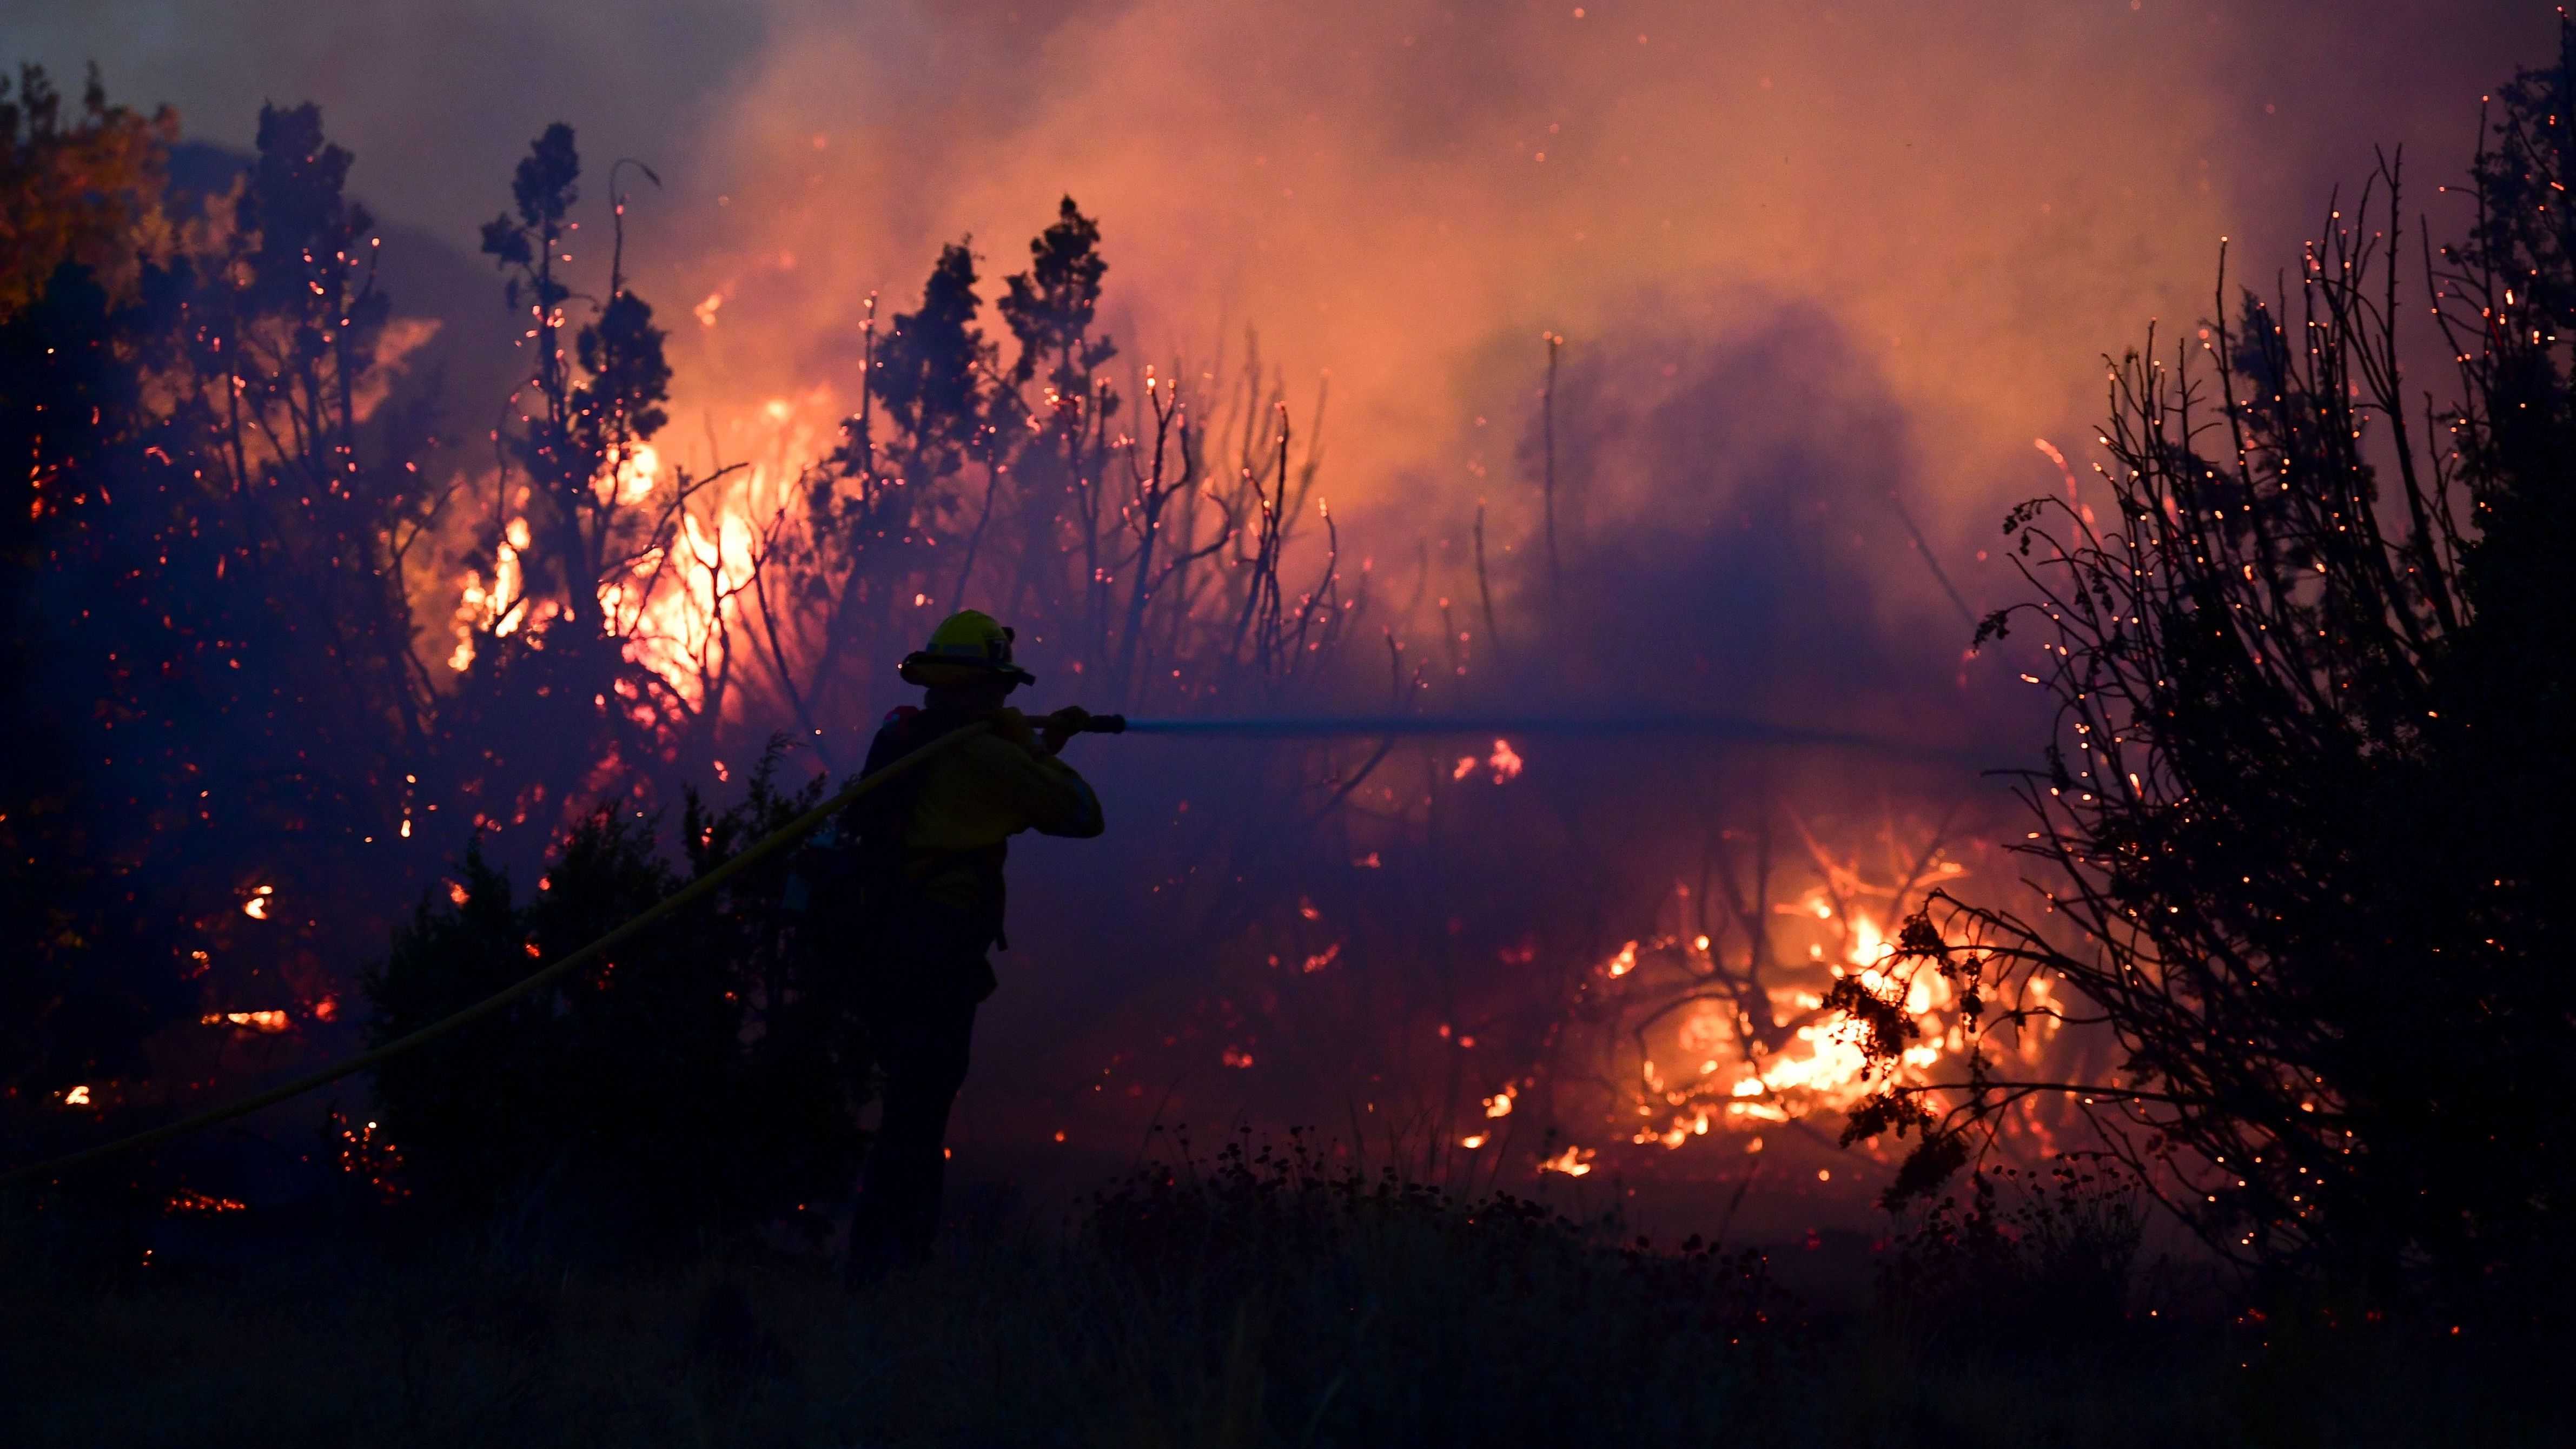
(1985,197)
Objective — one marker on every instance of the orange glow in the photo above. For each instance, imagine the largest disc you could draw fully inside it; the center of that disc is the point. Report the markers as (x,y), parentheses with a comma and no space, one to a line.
(1573,1162)
(1804,1059)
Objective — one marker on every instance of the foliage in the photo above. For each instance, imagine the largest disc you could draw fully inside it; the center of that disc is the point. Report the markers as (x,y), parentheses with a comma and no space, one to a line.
(2309,675)
(1387,1312)
(75,189)
(700,1078)
(1134,544)
(2047,1254)
(85,977)
(1369,1305)
(210,657)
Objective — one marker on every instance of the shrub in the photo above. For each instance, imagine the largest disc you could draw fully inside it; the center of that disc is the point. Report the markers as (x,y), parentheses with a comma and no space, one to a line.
(695,1079)
(2311,667)
(2040,1257)
(1375,1309)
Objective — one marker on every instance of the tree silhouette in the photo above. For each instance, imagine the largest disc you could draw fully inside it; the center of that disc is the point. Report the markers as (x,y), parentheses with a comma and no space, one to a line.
(2299,817)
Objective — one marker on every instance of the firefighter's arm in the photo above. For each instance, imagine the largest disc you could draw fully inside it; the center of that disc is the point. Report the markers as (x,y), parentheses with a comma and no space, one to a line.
(1041,789)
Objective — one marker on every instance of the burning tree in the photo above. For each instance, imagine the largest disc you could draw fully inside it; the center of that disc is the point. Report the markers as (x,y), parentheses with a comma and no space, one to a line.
(210,529)
(1151,552)
(2311,673)
(76,992)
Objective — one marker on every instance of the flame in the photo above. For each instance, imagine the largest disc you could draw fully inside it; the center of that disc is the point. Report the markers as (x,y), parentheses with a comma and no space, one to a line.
(1573,1162)
(1500,1104)
(675,611)
(266,1023)
(497,609)
(257,906)
(1801,1060)
(1504,762)
(77,1096)
(637,473)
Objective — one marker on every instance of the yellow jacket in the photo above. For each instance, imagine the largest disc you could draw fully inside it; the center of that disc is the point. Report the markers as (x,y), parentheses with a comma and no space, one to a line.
(974,798)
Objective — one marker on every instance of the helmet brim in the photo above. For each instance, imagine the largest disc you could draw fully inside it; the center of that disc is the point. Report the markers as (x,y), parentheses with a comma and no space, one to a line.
(942,671)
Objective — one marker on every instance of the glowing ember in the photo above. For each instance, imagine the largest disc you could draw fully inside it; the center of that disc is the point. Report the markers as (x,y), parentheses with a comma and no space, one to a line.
(364,1153)
(257,906)
(1751,1025)
(77,1096)
(266,1023)
(1573,1162)
(198,1202)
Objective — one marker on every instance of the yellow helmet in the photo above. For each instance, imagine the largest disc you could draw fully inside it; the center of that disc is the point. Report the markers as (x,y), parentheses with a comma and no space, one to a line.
(967,647)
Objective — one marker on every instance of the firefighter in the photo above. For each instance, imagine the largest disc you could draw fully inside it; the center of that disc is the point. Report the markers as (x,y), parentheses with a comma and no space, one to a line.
(927,881)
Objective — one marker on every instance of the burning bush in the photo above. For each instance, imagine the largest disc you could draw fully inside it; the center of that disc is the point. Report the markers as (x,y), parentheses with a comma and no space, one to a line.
(700,1079)
(2312,666)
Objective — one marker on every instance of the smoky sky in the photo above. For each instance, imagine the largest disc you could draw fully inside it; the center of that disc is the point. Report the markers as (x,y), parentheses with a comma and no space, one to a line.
(1896,238)
(1841,267)
(1985,196)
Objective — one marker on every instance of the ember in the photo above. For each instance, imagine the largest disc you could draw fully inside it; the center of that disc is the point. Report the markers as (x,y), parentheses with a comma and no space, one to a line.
(266,1023)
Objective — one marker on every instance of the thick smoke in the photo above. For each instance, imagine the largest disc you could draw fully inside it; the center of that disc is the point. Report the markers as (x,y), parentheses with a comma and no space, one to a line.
(1985,196)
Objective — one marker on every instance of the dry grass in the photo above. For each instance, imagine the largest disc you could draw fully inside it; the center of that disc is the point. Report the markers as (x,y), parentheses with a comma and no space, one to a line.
(1251,1305)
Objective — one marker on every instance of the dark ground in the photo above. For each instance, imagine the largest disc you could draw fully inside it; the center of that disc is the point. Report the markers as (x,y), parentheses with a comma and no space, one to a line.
(1268,1306)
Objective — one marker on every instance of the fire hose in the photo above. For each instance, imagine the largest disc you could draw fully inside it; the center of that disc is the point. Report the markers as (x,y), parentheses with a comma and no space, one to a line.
(814,819)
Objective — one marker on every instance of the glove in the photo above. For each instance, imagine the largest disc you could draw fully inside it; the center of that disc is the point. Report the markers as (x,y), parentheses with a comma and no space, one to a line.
(1063,725)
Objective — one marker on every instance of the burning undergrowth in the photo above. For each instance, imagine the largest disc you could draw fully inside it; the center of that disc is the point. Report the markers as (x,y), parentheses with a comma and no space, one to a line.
(1580,953)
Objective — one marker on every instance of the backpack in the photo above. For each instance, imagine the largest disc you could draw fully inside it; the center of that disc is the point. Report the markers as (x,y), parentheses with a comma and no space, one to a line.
(852,868)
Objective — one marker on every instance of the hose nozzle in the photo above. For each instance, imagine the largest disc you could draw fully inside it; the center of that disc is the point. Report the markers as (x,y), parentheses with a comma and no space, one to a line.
(1088,724)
